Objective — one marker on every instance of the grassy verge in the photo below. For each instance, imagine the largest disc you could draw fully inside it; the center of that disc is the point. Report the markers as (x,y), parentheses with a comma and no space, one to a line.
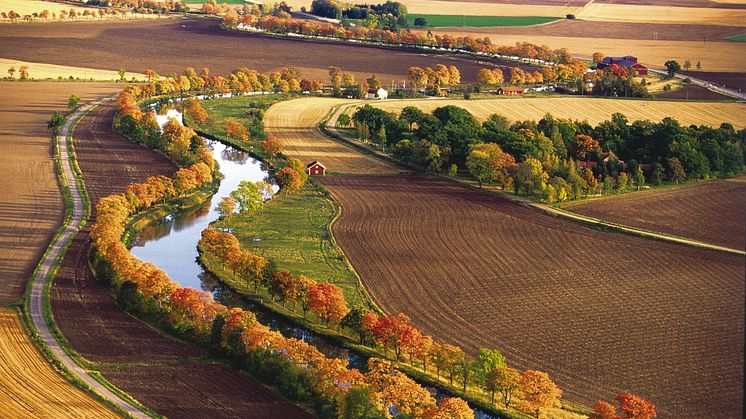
(478,21)
(741,37)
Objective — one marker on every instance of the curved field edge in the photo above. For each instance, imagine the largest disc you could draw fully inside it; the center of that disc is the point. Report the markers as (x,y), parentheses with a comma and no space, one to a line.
(45,298)
(33,386)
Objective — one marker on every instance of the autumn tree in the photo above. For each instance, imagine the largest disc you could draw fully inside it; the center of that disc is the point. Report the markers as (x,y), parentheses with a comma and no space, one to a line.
(485,76)
(299,167)
(538,390)
(635,407)
(417,76)
(288,179)
(505,381)
(603,410)
(530,175)
(227,206)
(285,286)
(488,163)
(390,388)
(272,146)
(597,57)
(583,147)
(23,72)
(236,130)
(451,408)
(195,111)
(327,301)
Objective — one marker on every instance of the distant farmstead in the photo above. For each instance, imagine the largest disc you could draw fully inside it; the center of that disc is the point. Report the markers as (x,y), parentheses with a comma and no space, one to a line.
(510,90)
(628,61)
(378,93)
(316,169)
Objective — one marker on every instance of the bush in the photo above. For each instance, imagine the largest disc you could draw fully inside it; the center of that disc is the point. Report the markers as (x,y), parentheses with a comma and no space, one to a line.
(420,22)
(570,16)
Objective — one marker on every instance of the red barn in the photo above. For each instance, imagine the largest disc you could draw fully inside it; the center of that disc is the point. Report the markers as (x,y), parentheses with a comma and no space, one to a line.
(316,169)
(629,61)
(510,90)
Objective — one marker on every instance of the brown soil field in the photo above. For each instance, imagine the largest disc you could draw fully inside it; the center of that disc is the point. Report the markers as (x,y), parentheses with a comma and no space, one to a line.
(594,110)
(202,43)
(31,207)
(617,30)
(711,211)
(296,122)
(600,312)
(94,325)
(29,387)
(232,395)
(730,80)
(692,92)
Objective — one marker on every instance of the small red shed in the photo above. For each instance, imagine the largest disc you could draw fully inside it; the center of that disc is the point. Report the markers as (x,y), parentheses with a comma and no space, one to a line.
(316,169)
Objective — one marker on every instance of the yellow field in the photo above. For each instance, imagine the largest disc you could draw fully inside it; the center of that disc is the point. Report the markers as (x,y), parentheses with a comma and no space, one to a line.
(25,7)
(662,14)
(295,122)
(594,110)
(29,387)
(714,56)
(436,7)
(38,71)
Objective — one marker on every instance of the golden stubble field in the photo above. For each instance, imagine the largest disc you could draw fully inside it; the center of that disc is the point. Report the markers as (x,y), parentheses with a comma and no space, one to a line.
(31,206)
(594,110)
(29,387)
(41,71)
(296,122)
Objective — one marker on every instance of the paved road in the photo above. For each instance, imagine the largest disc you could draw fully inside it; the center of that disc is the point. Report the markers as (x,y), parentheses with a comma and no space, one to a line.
(37,313)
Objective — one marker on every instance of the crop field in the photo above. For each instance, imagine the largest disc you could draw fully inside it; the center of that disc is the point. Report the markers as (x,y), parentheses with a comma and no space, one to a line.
(479,21)
(89,45)
(600,312)
(711,211)
(594,110)
(741,37)
(662,14)
(96,327)
(27,7)
(291,230)
(39,71)
(29,387)
(295,123)
(231,394)
(476,8)
(30,211)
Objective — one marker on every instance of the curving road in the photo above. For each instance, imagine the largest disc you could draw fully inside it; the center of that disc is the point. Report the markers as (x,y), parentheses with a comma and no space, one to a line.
(57,249)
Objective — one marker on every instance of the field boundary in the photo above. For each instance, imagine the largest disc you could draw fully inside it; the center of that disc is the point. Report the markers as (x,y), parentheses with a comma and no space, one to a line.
(38,312)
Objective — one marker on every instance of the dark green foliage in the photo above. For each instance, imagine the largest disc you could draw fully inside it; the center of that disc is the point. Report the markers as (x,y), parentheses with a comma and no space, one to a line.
(352,321)
(357,405)
(672,67)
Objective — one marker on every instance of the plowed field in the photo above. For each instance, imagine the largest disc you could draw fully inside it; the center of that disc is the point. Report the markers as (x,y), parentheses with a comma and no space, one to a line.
(600,312)
(295,122)
(96,327)
(29,387)
(30,200)
(231,395)
(594,110)
(712,211)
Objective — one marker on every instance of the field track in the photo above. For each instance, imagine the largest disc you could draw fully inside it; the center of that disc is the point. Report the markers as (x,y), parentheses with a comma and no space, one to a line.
(96,327)
(594,110)
(31,206)
(711,211)
(29,387)
(295,122)
(601,312)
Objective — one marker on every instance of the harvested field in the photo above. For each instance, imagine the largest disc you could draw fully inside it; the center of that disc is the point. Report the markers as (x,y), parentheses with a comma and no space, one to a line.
(477,8)
(29,387)
(594,110)
(38,71)
(31,206)
(27,7)
(662,14)
(735,4)
(89,45)
(296,122)
(601,312)
(714,55)
(711,211)
(231,395)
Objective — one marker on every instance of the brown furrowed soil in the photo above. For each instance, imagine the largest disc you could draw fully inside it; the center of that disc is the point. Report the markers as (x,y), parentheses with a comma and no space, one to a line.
(601,312)
(711,211)
(199,43)
(295,123)
(29,387)
(232,395)
(692,92)
(95,326)
(730,80)
(31,207)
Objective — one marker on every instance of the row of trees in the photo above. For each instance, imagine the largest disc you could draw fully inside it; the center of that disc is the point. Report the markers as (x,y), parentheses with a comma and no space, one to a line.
(467,43)
(543,157)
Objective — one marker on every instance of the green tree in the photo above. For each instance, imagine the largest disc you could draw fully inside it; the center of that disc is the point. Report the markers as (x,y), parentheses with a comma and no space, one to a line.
(639,178)
(479,167)
(121,73)
(56,122)
(352,321)
(531,176)
(657,174)
(675,170)
(687,65)
(699,66)
(249,196)
(344,120)
(453,170)
(672,67)
(357,404)
(621,182)
(72,102)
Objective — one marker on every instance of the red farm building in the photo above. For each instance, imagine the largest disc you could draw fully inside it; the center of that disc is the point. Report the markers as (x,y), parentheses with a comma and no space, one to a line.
(316,169)
(629,61)
(510,90)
